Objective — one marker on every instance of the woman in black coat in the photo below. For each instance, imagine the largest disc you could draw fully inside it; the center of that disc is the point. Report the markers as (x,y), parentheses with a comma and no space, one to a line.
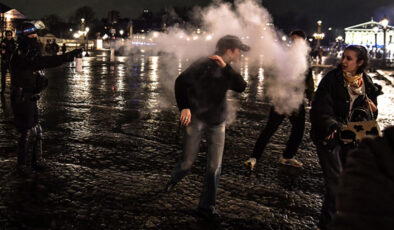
(340,91)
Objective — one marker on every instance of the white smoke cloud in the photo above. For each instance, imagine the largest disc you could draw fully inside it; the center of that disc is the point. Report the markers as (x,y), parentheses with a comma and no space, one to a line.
(284,65)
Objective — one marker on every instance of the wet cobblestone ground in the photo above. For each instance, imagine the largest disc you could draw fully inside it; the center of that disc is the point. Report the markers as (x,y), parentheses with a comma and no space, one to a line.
(112,139)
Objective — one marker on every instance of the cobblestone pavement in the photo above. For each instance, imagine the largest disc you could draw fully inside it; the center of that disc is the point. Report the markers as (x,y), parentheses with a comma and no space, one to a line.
(112,139)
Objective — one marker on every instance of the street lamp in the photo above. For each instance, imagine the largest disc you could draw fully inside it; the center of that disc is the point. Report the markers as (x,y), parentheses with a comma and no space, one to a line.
(82,31)
(319,35)
(82,24)
(375,31)
(121,32)
(384,23)
(87,39)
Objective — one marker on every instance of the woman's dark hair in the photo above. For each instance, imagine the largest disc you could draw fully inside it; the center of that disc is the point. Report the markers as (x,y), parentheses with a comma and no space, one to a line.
(362,55)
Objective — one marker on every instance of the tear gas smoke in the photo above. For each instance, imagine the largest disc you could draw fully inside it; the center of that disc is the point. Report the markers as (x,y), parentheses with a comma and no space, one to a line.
(285,65)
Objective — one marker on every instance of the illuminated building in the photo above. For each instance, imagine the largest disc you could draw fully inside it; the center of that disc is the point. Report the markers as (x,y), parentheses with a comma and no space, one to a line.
(369,34)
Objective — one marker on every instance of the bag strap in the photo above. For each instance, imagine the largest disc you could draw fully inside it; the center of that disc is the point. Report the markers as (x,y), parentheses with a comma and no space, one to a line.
(370,108)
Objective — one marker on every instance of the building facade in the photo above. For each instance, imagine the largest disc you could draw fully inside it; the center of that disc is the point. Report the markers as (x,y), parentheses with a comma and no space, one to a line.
(9,18)
(369,34)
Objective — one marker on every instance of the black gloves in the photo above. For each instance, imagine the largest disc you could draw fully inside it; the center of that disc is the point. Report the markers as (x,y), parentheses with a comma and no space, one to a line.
(69,56)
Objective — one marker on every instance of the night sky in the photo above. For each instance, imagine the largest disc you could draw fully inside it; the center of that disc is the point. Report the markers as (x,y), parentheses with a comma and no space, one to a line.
(297,13)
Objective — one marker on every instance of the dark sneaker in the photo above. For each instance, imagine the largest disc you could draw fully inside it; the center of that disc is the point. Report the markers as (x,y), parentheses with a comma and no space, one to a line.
(169,186)
(209,214)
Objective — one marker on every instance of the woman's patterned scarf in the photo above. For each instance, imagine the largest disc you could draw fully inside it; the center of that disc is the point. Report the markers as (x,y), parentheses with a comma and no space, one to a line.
(354,82)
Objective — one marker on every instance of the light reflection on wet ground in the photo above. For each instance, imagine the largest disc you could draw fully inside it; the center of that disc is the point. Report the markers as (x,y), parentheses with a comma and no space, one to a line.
(104,93)
(119,119)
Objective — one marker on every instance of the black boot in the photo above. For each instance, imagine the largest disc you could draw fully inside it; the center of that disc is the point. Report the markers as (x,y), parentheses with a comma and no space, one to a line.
(24,156)
(38,162)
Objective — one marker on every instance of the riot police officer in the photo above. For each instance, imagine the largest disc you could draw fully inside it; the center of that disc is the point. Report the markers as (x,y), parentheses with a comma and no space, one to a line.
(8,45)
(27,81)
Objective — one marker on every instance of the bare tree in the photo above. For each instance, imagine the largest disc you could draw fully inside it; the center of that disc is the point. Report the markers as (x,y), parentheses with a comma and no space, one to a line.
(85,12)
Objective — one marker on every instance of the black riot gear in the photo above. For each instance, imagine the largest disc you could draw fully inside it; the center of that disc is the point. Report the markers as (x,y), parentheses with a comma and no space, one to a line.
(29,28)
(35,81)
(27,81)
(8,46)
(30,47)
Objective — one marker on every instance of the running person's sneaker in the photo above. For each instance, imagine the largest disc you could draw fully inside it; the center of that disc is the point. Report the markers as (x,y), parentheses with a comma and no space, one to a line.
(250,163)
(290,162)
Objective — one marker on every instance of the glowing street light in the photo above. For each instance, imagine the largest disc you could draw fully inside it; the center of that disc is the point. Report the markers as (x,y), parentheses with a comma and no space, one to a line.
(319,35)
(375,31)
(82,33)
(339,39)
(384,23)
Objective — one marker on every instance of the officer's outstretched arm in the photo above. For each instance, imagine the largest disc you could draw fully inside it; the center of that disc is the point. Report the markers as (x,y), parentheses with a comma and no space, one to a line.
(43,62)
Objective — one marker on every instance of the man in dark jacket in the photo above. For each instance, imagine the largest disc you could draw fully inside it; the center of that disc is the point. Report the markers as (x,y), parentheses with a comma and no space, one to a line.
(27,81)
(200,93)
(8,46)
(366,187)
(297,120)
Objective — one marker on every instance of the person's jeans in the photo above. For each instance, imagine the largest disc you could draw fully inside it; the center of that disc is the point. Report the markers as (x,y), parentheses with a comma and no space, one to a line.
(297,120)
(192,138)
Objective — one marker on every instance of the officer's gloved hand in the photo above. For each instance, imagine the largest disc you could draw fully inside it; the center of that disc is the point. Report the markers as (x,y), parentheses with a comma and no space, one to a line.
(69,56)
